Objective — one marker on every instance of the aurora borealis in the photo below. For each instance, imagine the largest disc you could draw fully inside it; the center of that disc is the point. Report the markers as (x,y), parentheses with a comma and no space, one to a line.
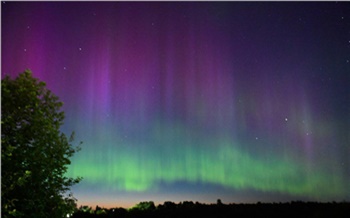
(238,101)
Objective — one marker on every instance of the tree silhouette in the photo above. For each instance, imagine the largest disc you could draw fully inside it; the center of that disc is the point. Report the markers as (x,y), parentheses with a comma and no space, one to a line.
(34,152)
(145,205)
(188,209)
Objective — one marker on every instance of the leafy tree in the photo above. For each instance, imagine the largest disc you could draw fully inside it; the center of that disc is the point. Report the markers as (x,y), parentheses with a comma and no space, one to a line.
(34,152)
(219,202)
(145,205)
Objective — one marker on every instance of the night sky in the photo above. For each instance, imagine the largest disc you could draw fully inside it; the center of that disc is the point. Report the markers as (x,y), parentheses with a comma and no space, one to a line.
(238,101)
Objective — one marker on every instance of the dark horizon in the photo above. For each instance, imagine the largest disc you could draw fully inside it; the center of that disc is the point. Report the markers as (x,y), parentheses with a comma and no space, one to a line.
(219,209)
(93,207)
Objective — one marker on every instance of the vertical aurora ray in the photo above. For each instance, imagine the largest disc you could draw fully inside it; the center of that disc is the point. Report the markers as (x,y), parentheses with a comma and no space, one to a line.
(191,98)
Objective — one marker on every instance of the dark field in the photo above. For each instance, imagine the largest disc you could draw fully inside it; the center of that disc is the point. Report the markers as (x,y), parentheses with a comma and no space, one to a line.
(219,210)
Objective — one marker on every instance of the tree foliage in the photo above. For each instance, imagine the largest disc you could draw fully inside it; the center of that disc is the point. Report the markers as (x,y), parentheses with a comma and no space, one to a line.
(35,154)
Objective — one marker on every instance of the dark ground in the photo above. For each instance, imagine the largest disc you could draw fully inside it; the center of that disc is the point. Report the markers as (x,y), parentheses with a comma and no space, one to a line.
(219,210)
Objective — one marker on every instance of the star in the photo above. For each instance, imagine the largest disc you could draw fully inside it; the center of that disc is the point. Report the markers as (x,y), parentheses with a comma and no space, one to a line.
(286,119)
(79,49)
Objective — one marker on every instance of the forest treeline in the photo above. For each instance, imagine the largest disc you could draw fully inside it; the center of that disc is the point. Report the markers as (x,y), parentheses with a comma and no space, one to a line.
(188,209)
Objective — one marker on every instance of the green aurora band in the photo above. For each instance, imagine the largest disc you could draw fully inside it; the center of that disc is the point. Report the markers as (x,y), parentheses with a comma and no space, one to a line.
(131,166)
